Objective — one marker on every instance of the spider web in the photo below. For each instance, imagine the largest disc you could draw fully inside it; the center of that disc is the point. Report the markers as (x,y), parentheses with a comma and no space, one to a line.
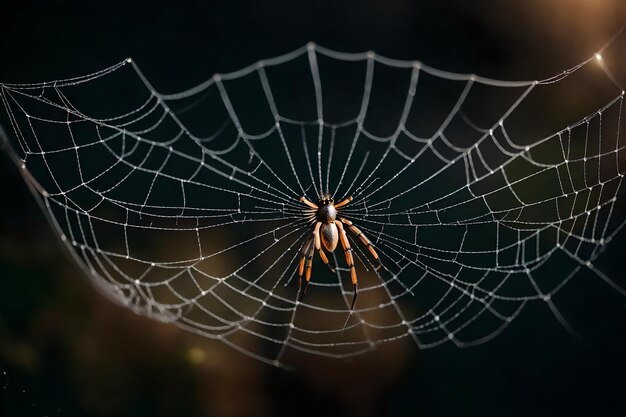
(184,207)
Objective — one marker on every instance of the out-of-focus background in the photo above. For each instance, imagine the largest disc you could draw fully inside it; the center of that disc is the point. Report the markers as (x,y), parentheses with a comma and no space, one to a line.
(65,350)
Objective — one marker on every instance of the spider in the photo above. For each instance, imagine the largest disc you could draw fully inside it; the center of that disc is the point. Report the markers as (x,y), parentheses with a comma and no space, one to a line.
(328,230)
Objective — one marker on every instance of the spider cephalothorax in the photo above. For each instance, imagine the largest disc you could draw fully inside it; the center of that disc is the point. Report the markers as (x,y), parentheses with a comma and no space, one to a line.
(328,231)
(326,211)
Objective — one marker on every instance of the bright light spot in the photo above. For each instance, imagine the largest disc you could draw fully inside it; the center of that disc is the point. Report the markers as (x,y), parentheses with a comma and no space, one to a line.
(599,57)
(196,356)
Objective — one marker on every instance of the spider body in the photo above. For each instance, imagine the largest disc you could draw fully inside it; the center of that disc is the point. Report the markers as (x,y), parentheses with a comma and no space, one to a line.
(328,232)
(327,214)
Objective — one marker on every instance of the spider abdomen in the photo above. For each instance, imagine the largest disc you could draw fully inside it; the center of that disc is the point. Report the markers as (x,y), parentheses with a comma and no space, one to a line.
(329,236)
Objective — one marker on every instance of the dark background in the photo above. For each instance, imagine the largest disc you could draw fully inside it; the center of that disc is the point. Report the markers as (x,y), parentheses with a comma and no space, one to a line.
(67,351)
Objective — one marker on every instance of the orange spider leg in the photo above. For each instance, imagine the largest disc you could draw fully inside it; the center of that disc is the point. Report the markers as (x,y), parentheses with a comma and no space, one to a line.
(306,248)
(363,238)
(325,260)
(309,268)
(316,234)
(308,203)
(343,203)
(343,238)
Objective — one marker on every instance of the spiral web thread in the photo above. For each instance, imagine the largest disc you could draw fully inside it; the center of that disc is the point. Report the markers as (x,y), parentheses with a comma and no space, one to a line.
(220,212)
